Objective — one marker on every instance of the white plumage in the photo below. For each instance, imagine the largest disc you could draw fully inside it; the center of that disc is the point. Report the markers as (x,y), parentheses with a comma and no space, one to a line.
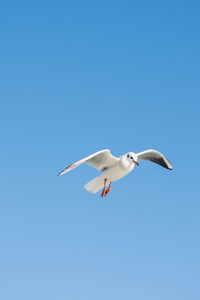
(114,168)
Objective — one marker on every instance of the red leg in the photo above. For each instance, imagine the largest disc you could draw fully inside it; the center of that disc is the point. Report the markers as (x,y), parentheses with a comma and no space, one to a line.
(104,189)
(109,188)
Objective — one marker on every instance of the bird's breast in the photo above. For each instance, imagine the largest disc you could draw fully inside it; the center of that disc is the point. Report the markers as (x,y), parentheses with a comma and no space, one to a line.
(116,172)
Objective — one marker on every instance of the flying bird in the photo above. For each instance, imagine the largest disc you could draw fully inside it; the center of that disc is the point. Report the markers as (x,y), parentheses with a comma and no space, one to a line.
(114,168)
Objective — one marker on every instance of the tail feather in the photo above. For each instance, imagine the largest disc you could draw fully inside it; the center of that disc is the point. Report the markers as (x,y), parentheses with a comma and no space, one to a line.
(95,184)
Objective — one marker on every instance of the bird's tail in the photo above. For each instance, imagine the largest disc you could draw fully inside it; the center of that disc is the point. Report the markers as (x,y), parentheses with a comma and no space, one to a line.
(95,184)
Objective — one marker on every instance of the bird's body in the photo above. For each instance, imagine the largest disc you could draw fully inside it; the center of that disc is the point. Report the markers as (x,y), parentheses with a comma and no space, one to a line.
(113,173)
(114,168)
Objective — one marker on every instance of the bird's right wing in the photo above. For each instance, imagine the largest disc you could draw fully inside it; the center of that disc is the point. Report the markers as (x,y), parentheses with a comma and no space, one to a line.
(100,160)
(155,157)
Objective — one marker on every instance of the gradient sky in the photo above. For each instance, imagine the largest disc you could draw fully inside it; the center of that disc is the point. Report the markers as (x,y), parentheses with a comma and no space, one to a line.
(77,77)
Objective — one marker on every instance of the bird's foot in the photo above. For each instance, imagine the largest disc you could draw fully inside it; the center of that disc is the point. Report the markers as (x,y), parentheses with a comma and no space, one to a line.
(104,189)
(103,192)
(109,188)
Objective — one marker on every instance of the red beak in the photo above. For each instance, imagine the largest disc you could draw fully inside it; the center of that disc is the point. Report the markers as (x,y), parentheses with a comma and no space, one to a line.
(137,163)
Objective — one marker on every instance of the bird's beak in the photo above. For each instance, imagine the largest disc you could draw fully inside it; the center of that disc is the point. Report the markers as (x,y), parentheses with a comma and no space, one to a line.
(137,163)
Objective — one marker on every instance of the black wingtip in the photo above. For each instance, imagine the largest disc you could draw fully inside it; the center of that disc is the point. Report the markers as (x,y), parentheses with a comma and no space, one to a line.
(168,166)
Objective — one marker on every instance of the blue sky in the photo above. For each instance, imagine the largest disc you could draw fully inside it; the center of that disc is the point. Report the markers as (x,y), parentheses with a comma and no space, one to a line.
(77,77)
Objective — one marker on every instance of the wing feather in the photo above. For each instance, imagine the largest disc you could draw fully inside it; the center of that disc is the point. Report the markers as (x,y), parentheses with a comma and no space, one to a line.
(156,157)
(100,160)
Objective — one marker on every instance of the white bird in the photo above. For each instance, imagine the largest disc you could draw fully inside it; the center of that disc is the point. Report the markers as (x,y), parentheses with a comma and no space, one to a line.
(114,168)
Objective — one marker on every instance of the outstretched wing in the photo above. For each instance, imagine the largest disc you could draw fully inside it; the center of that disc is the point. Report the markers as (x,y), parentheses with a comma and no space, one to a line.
(100,160)
(155,157)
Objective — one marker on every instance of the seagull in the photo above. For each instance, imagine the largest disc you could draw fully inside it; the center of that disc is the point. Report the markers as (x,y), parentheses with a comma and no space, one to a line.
(113,168)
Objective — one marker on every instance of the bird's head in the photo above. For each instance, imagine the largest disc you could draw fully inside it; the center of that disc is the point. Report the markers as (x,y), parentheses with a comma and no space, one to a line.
(132,158)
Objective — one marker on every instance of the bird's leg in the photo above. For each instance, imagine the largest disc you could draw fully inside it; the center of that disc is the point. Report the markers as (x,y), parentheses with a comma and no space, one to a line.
(104,189)
(109,188)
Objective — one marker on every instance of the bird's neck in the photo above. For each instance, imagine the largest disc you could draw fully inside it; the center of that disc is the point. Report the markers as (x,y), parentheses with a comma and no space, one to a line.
(125,164)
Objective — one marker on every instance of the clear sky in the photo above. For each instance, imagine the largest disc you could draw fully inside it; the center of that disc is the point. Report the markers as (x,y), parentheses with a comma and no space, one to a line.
(77,77)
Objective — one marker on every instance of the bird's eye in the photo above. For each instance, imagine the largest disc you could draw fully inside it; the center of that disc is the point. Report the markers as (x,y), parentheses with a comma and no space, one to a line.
(128,155)
(131,157)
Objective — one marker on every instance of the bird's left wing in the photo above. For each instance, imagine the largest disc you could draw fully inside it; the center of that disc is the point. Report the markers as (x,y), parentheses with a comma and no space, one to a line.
(155,157)
(100,160)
